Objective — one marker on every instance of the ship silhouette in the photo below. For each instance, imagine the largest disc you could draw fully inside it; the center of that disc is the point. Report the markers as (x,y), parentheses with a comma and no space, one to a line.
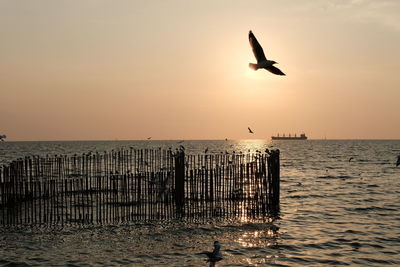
(289,137)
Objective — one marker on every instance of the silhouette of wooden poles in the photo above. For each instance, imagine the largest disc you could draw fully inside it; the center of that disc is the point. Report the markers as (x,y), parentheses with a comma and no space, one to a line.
(138,185)
(180,180)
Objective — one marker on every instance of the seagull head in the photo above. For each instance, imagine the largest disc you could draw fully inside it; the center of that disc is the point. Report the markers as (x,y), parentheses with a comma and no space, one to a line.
(274,62)
(217,244)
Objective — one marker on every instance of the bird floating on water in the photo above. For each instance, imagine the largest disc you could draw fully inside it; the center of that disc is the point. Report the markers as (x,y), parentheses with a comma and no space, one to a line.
(215,255)
(262,61)
(2,137)
(250,131)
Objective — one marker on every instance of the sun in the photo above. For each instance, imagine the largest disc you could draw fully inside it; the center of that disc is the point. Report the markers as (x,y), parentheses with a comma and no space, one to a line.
(250,70)
(250,73)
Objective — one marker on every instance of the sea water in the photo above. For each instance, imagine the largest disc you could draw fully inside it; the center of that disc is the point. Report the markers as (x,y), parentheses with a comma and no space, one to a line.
(334,211)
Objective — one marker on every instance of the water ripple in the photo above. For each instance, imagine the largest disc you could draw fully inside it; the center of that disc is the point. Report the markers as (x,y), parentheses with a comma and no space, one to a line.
(333,212)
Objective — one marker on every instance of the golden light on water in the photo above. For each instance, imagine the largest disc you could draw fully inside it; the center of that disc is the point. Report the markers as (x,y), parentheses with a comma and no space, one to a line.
(258,238)
(252,144)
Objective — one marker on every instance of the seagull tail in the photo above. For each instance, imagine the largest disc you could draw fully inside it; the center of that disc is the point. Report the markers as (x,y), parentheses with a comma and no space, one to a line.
(253,66)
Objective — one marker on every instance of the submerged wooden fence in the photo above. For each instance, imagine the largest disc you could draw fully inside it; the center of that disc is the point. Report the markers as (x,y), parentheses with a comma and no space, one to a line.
(131,185)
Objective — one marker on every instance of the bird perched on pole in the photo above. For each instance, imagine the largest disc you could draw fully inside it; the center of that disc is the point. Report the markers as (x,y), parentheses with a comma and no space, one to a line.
(262,61)
(215,255)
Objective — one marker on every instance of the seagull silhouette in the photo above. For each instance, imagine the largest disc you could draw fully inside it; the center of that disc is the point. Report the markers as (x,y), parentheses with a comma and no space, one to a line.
(148,138)
(250,131)
(215,255)
(262,61)
(398,161)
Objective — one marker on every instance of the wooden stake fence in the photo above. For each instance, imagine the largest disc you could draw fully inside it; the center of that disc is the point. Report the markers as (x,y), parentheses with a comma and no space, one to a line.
(130,185)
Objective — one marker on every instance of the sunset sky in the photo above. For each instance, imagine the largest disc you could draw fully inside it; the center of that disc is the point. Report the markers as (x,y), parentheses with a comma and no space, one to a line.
(106,70)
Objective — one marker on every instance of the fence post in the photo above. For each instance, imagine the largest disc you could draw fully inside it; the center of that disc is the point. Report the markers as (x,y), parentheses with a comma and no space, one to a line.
(275,175)
(180,179)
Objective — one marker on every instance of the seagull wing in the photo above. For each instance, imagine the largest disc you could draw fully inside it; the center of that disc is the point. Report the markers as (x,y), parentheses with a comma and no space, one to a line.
(275,70)
(257,49)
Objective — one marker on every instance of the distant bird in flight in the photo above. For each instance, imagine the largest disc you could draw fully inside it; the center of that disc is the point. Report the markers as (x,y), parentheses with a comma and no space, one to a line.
(398,161)
(215,255)
(2,137)
(148,138)
(262,61)
(350,159)
(250,131)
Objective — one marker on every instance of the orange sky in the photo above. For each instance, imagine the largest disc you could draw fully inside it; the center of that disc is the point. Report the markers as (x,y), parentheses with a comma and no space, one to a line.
(82,70)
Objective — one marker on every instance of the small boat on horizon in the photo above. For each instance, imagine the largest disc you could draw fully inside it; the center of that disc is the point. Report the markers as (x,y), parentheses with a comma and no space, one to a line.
(289,137)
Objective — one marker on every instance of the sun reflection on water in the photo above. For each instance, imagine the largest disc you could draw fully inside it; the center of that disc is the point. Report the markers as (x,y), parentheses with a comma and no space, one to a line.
(252,144)
(266,237)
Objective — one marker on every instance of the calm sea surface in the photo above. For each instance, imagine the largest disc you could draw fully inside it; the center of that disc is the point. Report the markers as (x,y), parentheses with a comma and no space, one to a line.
(333,212)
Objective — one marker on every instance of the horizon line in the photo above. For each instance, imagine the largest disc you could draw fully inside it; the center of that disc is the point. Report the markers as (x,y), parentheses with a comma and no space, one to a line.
(227,139)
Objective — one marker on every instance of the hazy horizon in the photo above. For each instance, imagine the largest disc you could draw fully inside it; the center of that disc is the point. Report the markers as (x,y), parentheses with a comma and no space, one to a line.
(188,140)
(178,70)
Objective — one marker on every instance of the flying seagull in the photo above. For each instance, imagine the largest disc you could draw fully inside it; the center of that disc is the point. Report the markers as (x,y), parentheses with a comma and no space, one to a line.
(262,61)
(215,255)
(148,138)
(250,131)
(2,137)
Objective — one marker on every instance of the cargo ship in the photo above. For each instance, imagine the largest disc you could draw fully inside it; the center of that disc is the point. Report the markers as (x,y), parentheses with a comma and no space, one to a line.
(295,137)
